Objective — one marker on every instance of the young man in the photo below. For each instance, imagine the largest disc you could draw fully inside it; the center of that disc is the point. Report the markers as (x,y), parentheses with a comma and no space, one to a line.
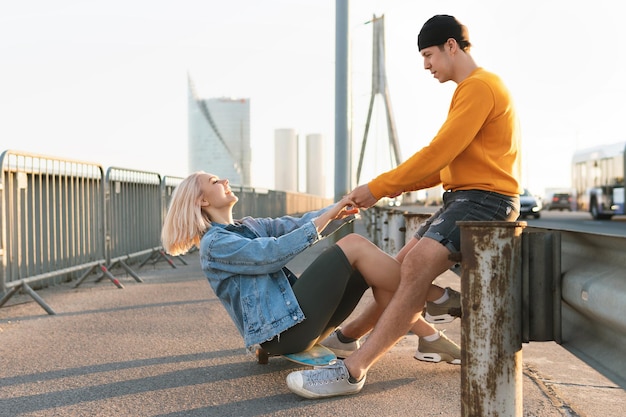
(475,156)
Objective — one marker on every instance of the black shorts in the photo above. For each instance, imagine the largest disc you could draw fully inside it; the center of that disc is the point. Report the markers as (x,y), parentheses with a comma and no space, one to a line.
(467,205)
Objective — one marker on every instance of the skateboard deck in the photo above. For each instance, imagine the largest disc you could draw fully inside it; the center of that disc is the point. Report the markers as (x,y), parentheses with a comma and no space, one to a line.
(318,355)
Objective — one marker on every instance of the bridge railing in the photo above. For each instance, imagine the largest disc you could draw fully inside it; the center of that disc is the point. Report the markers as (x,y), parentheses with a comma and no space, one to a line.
(51,218)
(61,220)
(573,292)
(134,213)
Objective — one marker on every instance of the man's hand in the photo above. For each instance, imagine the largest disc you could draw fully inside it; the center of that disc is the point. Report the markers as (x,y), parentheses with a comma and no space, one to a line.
(362,196)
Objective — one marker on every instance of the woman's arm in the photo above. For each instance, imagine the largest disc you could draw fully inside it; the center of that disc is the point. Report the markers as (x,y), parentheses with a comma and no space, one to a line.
(228,253)
(320,218)
(279,241)
(339,210)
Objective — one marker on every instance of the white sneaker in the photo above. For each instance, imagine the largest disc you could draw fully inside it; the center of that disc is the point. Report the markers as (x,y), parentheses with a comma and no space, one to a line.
(327,381)
(340,349)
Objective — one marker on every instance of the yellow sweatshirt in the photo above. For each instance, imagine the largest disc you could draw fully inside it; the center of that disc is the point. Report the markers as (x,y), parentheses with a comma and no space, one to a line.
(477,148)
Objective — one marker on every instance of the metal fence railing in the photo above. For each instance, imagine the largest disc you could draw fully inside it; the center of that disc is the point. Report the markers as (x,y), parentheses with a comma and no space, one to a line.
(61,220)
(51,218)
(574,287)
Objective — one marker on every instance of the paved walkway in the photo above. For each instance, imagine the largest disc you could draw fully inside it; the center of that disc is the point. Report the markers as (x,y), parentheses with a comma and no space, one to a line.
(166,347)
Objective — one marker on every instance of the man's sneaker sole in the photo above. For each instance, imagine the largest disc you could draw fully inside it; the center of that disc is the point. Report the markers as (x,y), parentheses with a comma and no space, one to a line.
(436,357)
(448,317)
(443,318)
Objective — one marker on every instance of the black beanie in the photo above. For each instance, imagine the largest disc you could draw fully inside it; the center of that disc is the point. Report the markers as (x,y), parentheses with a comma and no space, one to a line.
(438,29)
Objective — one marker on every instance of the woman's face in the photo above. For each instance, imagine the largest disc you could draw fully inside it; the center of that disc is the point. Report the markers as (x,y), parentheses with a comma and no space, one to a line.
(216,192)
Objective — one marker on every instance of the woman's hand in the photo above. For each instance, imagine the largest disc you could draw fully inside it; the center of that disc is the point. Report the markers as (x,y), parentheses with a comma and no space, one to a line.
(346,207)
(343,208)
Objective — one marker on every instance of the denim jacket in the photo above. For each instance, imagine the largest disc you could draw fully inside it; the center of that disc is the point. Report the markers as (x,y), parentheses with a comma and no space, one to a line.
(245,270)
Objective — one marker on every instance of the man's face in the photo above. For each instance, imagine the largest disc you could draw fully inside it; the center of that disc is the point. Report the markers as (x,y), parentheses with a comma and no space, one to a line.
(438,62)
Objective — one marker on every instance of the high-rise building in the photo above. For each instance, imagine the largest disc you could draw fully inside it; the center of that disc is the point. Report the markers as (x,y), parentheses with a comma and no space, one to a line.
(315,165)
(219,137)
(286,160)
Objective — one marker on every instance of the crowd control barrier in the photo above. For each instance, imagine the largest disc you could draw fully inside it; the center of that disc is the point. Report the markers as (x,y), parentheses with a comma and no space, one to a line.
(51,223)
(168,184)
(64,220)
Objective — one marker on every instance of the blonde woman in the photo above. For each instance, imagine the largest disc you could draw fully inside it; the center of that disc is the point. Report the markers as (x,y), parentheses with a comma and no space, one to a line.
(244,262)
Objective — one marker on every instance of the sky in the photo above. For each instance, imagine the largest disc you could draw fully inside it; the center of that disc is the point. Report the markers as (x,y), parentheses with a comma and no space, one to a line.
(106,81)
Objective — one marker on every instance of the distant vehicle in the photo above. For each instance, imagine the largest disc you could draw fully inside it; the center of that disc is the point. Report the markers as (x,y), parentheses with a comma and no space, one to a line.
(529,205)
(391,202)
(598,179)
(561,201)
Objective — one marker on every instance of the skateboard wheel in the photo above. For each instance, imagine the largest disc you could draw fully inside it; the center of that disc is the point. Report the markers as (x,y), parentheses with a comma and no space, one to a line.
(262,356)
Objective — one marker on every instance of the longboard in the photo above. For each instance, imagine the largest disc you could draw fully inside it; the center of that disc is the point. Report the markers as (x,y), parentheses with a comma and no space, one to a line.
(337,224)
(318,355)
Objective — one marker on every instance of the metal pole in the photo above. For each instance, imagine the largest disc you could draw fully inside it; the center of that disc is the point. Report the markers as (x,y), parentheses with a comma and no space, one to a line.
(412,222)
(342,132)
(491,326)
(343,155)
(37,298)
(395,231)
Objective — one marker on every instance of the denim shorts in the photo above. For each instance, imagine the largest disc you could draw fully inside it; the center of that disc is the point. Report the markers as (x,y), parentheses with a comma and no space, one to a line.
(467,205)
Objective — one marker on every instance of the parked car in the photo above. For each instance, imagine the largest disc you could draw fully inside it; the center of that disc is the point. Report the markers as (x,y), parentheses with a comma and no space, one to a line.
(529,205)
(561,201)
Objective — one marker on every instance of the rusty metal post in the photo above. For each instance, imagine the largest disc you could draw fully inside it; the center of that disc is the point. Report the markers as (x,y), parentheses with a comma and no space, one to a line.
(412,222)
(491,326)
(375,225)
(395,232)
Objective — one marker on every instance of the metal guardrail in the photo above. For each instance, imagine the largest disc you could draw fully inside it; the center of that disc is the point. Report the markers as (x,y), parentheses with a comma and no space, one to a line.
(61,220)
(593,306)
(573,287)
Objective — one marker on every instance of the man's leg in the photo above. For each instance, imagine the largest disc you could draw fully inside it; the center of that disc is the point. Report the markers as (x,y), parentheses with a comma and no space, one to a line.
(423,263)
(367,319)
(364,322)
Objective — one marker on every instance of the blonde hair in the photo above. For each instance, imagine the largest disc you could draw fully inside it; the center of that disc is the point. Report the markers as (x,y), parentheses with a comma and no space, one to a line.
(185,223)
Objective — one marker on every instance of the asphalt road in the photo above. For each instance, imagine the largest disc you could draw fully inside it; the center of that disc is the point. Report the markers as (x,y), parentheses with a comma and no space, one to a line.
(580,222)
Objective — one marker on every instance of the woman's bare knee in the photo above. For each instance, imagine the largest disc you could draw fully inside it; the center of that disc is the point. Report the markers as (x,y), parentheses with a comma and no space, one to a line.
(352,245)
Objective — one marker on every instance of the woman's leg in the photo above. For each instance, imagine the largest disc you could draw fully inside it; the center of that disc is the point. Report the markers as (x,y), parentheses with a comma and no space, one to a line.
(380,271)
(327,292)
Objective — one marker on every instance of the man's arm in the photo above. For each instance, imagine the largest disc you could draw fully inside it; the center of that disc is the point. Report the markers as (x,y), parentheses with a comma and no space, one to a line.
(363,196)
